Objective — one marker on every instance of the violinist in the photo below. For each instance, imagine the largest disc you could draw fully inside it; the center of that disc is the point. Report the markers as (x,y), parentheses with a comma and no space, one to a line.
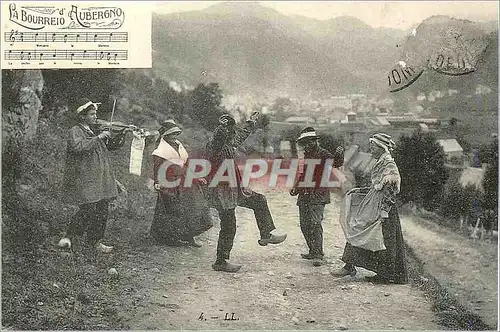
(89,181)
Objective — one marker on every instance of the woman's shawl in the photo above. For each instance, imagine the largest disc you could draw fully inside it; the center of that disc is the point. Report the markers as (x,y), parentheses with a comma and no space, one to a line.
(167,152)
(384,172)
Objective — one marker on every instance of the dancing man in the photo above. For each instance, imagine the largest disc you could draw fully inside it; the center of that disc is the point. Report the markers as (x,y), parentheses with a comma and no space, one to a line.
(313,198)
(225,197)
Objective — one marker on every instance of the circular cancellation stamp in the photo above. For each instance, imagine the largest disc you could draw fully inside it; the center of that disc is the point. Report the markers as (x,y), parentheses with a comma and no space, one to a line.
(443,44)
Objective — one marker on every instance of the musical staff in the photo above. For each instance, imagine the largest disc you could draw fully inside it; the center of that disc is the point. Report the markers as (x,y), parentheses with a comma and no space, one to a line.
(71,55)
(15,36)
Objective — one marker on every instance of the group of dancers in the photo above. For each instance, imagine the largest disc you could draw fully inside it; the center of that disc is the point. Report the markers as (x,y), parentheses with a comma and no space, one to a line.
(182,213)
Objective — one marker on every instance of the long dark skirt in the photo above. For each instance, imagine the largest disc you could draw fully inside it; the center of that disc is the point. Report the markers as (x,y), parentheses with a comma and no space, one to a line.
(180,215)
(389,263)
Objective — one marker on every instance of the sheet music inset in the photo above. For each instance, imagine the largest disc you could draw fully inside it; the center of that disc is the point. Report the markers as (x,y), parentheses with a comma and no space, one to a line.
(76,34)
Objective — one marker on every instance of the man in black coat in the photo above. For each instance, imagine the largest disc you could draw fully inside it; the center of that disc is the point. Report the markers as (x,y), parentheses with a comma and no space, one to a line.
(314,196)
(225,197)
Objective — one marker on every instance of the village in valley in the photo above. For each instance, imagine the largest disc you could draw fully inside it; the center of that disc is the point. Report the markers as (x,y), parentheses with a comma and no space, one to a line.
(356,116)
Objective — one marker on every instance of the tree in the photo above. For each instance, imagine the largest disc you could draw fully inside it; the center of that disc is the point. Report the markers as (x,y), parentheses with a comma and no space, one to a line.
(459,202)
(453,121)
(263,123)
(488,152)
(490,181)
(69,86)
(280,106)
(420,160)
(291,134)
(204,105)
(464,143)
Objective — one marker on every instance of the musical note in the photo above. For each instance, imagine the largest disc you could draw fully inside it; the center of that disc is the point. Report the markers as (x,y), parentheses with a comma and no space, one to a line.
(68,55)
(26,55)
(16,36)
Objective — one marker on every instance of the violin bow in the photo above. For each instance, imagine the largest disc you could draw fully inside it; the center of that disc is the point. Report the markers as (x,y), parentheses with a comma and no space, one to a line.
(112,114)
(111,121)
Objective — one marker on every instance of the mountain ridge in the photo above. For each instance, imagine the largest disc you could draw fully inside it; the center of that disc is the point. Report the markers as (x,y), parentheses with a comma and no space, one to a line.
(250,48)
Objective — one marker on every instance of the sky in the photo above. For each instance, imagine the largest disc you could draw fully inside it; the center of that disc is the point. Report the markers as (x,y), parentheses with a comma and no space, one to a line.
(395,14)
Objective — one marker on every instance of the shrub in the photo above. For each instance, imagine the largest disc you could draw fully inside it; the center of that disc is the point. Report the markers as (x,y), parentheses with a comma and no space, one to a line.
(420,160)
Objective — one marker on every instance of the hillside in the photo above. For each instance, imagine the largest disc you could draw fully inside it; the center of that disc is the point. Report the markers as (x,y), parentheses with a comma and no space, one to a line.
(486,75)
(229,55)
(251,49)
(360,48)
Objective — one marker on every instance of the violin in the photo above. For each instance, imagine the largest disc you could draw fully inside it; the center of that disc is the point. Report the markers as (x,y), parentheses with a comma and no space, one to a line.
(113,126)
(117,127)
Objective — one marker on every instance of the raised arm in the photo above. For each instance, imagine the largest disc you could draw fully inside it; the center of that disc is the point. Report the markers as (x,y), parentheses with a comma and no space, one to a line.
(338,157)
(219,142)
(332,162)
(242,133)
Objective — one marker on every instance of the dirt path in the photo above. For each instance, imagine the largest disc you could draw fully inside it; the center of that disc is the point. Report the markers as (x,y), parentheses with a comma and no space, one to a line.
(175,288)
(466,268)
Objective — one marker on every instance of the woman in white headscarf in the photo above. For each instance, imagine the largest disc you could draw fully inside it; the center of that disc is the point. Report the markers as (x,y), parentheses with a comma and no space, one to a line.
(181,213)
(374,236)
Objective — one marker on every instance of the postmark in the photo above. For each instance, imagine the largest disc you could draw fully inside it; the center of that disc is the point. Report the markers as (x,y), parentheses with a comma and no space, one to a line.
(443,44)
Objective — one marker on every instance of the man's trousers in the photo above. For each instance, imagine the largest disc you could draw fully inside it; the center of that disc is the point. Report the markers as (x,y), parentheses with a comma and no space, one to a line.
(91,218)
(311,216)
(255,201)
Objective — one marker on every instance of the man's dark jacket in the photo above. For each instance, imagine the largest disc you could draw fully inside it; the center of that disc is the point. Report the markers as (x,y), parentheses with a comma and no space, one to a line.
(317,194)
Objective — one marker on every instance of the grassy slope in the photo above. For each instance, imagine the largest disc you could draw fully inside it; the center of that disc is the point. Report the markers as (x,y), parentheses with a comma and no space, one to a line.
(44,288)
